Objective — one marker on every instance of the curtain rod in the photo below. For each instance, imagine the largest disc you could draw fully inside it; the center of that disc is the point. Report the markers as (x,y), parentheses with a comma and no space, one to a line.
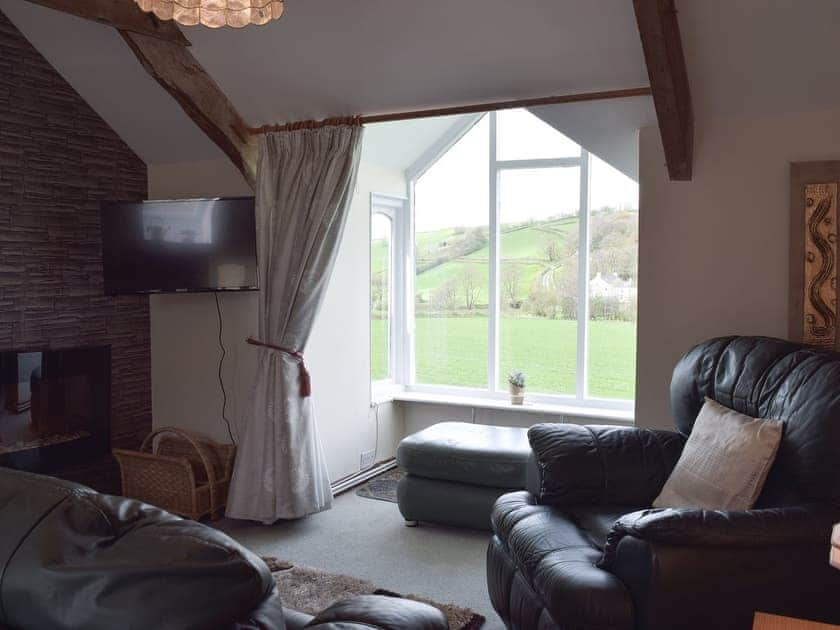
(464,109)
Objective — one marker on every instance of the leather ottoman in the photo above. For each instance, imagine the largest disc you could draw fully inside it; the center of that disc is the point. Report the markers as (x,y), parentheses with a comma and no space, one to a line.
(455,471)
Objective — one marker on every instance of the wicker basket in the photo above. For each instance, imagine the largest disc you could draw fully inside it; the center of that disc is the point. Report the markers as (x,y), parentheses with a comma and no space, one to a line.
(179,471)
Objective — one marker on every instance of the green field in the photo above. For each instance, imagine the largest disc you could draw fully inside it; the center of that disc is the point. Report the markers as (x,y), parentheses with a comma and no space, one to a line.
(453,351)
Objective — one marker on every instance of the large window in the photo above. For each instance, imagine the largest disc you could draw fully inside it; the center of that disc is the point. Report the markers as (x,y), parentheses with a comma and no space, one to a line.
(524,258)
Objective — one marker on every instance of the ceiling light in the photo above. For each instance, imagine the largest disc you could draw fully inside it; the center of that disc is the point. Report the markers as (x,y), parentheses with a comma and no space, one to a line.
(214,13)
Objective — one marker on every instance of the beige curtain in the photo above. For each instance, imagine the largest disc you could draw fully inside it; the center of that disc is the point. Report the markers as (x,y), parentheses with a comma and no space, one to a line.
(305,182)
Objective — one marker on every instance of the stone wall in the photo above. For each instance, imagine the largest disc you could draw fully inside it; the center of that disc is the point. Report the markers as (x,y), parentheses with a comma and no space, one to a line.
(58,160)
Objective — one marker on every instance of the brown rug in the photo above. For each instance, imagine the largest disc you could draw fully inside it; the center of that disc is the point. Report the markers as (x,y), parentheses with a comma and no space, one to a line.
(311,590)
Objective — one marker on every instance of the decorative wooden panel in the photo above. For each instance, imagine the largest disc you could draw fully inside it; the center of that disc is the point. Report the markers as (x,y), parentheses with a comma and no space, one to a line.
(58,160)
(814,260)
(820,275)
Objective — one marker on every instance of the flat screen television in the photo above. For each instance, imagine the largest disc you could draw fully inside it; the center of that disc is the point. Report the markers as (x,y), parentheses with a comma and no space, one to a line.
(179,246)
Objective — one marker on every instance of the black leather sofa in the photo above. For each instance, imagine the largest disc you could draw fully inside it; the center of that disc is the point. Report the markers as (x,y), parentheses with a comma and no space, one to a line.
(581,550)
(71,558)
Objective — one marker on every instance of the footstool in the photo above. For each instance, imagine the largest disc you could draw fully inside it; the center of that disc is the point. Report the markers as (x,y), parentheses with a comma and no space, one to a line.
(455,471)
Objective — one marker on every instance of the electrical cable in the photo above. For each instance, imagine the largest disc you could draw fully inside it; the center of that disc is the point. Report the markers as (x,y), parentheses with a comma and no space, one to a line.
(221,362)
(376,444)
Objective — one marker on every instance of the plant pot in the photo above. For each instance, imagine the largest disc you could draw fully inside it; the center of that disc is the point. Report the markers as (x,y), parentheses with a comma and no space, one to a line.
(517,395)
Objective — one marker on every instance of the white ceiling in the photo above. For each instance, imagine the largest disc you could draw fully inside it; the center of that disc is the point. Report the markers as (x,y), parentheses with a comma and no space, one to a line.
(340,57)
(760,57)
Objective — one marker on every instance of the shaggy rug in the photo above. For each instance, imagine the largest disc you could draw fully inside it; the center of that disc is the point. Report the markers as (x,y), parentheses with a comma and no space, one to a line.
(382,487)
(311,590)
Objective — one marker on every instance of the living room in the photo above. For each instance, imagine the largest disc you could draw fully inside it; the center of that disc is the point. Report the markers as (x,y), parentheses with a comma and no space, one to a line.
(564,196)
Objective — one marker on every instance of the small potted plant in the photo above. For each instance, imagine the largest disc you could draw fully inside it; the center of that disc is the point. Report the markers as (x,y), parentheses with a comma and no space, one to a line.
(516,380)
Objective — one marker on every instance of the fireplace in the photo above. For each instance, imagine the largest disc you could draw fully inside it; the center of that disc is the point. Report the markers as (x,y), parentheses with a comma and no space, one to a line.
(54,407)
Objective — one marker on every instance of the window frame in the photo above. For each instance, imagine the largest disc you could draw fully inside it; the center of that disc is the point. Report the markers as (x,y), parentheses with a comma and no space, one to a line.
(395,208)
(404,345)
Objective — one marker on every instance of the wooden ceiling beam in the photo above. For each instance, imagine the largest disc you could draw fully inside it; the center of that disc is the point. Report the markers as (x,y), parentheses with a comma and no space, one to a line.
(162,49)
(662,46)
(124,15)
(177,71)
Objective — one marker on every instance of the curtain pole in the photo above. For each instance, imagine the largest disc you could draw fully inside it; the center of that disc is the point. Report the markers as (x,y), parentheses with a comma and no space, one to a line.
(451,111)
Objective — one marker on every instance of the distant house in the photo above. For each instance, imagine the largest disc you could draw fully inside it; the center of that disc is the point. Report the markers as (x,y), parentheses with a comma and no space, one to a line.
(611,285)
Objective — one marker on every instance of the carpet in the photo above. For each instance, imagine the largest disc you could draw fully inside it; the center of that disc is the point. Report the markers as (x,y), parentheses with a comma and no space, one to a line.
(311,590)
(382,487)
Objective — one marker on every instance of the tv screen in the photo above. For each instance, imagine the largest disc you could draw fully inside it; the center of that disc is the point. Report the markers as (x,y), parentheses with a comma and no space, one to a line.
(183,245)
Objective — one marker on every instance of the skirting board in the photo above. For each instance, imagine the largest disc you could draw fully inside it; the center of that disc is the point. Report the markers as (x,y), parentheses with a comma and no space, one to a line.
(351,481)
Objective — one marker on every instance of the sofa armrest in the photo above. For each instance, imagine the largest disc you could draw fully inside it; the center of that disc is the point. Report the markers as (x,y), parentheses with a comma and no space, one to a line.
(380,611)
(690,527)
(574,464)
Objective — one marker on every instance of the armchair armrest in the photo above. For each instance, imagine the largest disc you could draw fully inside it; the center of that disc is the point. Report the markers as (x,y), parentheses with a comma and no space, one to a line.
(380,611)
(574,464)
(691,527)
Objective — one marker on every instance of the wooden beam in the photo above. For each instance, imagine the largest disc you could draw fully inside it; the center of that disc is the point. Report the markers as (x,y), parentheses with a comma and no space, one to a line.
(662,45)
(124,15)
(479,108)
(178,72)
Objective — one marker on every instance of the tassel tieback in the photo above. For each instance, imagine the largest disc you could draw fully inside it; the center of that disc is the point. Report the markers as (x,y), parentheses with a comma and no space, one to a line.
(305,381)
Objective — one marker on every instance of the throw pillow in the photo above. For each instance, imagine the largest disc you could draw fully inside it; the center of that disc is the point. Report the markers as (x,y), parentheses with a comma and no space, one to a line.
(724,463)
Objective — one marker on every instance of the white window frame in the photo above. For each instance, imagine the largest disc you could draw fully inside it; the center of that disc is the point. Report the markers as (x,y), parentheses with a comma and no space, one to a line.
(404,345)
(396,209)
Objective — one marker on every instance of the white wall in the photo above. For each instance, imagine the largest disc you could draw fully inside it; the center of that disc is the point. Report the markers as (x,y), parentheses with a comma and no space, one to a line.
(185,354)
(713,252)
(418,416)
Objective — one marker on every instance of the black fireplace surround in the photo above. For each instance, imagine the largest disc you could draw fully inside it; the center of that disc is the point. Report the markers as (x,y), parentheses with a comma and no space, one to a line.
(55,407)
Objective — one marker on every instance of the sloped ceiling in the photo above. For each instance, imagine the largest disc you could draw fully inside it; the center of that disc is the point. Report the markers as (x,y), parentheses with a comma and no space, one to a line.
(340,57)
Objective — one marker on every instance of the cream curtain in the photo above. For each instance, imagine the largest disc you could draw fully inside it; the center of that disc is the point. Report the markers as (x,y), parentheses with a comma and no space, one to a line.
(305,182)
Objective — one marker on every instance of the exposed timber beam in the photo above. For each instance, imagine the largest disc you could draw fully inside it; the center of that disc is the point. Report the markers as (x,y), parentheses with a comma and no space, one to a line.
(662,45)
(177,71)
(121,14)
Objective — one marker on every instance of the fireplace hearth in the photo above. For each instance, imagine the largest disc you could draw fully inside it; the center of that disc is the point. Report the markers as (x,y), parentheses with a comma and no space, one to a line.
(54,408)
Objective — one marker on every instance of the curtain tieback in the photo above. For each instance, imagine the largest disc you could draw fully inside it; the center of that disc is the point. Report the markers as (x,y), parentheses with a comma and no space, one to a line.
(305,381)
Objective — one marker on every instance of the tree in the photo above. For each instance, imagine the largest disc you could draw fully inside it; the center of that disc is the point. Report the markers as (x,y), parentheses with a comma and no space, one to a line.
(445,296)
(470,289)
(552,249)
(511,277)
(378,294)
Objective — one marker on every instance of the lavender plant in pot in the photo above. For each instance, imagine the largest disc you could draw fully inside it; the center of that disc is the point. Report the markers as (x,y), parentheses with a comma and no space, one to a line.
(516,380)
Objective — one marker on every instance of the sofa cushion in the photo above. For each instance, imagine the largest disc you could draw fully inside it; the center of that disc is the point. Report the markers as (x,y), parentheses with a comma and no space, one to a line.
(724,463)
(477,454)
(557,557)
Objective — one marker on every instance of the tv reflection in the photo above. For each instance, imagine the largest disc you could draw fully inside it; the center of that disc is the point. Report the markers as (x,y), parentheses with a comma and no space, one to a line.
(188,223)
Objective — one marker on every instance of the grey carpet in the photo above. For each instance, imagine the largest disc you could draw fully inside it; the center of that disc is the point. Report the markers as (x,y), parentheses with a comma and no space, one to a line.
(367,539)
(311,590)
(382,487)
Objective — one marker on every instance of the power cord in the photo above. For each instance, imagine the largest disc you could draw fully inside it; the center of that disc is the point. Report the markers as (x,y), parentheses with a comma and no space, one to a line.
(376,443)
(375,406)
(221,362)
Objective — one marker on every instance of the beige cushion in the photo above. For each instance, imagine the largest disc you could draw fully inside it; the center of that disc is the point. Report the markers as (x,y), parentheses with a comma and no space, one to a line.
(724,463)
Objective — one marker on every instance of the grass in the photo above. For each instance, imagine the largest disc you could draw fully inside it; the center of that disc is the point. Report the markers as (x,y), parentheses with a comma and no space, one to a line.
(453,351)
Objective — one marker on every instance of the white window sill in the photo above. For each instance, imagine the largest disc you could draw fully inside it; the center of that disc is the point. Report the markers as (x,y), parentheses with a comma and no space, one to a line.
(617,416)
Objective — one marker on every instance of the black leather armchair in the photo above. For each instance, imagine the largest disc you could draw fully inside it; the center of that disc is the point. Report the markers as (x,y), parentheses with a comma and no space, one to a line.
(582,549)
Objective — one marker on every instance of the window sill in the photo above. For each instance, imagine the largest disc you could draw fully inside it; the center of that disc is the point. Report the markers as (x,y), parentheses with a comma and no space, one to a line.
(617,416)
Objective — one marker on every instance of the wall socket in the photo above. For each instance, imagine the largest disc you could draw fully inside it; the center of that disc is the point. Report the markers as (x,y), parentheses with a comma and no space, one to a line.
(366,459)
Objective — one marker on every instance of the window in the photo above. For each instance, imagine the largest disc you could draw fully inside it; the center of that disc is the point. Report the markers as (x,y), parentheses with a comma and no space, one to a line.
(387,220)
(523,256)
(381,295)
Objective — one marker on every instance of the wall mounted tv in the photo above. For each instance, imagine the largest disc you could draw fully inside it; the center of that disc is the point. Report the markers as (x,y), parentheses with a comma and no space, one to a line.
(179,246)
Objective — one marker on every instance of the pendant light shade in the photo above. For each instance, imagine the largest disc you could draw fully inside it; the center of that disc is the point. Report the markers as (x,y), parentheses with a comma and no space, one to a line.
(214,13)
